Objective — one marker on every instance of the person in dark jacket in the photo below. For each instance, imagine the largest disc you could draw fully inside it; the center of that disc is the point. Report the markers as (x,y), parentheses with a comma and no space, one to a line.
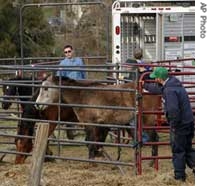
(180,117)
(138,59)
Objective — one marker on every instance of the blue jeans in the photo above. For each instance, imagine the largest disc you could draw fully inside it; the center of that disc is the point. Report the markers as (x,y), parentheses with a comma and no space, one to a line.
(182,153)
(145,136)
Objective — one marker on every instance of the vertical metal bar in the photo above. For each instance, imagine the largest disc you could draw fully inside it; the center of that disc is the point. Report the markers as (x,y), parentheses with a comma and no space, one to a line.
(138,129)
(59,116)
(21,34)
(182,31)
(107,34)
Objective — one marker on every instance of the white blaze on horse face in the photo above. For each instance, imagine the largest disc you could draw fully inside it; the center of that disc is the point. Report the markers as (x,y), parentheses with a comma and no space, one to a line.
(46,95)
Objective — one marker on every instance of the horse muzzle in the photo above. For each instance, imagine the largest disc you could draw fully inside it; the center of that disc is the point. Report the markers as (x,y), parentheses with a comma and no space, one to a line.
(40,107)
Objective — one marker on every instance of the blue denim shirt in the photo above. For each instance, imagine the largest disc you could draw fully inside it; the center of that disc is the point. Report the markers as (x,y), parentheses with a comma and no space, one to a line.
(71,73)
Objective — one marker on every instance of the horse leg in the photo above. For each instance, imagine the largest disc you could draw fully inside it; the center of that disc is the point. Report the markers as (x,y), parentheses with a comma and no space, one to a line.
(97,134)
(48,153)
(101,134)
(130,132)
(70,134)
(153,135)
(90,136)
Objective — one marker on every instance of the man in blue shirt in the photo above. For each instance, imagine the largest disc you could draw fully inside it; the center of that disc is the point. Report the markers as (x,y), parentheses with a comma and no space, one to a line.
(180,117)
(71,61)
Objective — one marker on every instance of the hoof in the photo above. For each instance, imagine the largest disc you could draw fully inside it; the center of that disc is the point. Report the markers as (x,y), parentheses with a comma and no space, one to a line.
(70,134)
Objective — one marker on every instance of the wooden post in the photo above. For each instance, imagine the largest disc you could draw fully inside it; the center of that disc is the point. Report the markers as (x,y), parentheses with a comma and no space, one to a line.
(39,151)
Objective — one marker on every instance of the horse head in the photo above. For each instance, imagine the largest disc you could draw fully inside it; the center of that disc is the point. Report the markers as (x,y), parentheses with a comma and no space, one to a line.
(26,128)
(48,93)
(11,88)
(8,92)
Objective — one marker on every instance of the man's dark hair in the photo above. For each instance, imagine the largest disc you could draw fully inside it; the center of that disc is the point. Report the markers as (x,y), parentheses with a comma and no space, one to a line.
(67,46)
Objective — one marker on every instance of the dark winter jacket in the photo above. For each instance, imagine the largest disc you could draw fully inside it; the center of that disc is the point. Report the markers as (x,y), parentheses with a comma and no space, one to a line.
(176,104)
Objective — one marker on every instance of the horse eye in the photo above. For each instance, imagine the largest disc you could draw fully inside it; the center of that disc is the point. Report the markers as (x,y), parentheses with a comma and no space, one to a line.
(45,88)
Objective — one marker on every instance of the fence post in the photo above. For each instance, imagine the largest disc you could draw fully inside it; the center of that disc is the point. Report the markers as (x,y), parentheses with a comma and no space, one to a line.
(38,154)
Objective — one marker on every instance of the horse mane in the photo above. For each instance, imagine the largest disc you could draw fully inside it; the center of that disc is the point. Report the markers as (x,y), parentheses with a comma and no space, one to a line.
(17,78)
(35,95)
(68,81)
(26,78)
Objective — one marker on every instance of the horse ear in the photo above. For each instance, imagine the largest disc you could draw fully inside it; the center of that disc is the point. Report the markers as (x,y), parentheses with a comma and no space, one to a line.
(50,77)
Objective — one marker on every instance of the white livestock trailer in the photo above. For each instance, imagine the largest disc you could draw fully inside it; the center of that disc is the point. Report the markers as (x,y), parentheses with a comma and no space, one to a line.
(164,29)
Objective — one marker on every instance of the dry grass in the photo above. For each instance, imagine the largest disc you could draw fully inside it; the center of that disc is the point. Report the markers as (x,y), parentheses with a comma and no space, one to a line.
(63,173)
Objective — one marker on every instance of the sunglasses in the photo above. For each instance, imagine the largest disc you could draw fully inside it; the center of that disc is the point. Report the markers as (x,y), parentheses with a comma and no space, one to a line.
(68,51)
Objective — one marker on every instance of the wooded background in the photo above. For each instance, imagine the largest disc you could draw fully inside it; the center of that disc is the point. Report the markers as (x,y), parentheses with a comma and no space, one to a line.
(47,29)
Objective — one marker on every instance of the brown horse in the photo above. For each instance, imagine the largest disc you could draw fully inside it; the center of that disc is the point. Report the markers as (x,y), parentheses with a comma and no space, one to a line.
(26,127)
(77,94)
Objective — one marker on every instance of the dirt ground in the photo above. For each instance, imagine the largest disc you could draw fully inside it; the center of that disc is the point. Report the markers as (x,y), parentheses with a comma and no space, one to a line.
(71,173)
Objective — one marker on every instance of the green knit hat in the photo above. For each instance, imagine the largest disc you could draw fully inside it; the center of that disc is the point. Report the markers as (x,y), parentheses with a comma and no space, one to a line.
(159,72)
